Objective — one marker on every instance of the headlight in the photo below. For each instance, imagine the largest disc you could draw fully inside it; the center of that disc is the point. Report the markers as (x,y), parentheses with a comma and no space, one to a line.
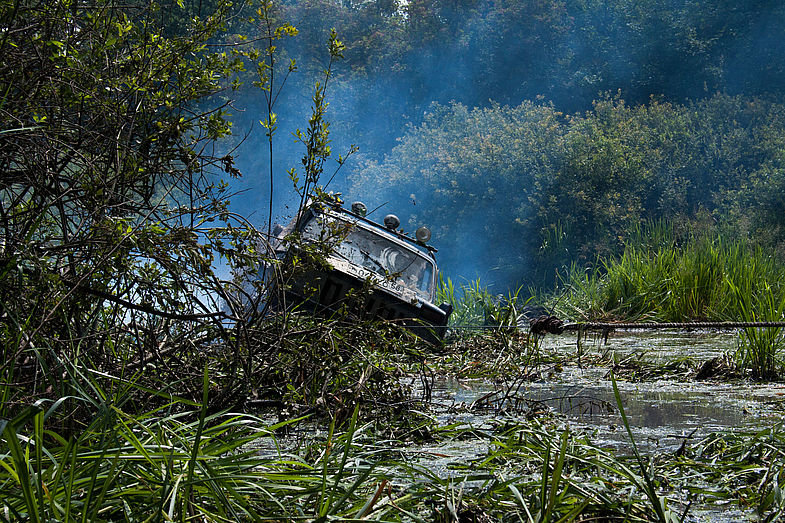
(359,209)
(391,221)
(423,234)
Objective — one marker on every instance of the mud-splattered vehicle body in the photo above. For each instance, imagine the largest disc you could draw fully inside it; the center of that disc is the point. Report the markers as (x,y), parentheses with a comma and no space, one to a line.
(376,270)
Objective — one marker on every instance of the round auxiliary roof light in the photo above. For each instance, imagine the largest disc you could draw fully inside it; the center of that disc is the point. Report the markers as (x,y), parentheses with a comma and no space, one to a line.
(359,209)
(423,234)
(391,221)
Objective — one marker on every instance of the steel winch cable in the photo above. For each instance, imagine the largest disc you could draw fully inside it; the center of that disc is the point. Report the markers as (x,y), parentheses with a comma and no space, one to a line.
(552,325)
(486,327)
(719,325)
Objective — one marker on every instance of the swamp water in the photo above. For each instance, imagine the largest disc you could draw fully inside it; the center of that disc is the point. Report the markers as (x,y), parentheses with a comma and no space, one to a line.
(666,410)
(664,413)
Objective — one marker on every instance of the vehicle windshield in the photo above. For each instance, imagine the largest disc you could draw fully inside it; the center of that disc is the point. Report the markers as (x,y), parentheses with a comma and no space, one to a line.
(376,253)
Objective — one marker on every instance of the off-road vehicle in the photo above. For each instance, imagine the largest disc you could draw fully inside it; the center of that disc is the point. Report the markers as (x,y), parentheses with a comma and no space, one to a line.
(376,270)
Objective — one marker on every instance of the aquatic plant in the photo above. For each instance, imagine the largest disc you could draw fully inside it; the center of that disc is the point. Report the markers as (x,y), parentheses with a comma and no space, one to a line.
(186,460)
(467,300)
(645,481)
(745,467)
(474,305)
(176,466)
(760,349)
(541,471)
(672,278)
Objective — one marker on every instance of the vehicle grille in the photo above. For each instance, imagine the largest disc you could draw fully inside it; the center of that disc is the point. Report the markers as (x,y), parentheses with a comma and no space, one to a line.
(332,292)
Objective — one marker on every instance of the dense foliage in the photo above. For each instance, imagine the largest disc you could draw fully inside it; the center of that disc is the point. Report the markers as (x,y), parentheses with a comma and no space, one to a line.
(111,190)
(125,345)
(556,124)
(124,335)
(527,189)
(401,56)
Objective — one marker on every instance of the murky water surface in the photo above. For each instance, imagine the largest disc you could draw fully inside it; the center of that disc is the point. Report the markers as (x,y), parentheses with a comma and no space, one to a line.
(663,413)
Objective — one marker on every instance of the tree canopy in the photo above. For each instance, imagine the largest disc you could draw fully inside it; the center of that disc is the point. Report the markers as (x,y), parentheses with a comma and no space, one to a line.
(401,56)
(516,192)
(113,212)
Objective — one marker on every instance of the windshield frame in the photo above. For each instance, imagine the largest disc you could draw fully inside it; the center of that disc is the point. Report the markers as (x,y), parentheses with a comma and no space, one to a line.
(427,274)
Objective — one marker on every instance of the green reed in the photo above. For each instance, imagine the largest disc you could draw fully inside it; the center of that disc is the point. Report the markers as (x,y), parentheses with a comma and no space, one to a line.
(174,464)
(677,280)
(760,349)
(475,305)
(180,461)
(535,471)
(660,277)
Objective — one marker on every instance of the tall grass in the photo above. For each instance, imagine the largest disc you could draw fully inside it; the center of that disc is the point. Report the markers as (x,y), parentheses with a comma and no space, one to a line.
(474,304)
(160,466)
(182,460)
(760,349)
(662,277)
(88,443)
(175,463)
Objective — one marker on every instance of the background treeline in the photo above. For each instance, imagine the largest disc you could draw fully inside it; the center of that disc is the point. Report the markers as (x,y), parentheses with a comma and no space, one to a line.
(401,56)
(525,190)
(556,124)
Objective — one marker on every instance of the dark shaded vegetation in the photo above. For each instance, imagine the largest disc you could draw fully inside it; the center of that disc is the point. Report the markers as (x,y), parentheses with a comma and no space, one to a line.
(558,125)
(401,57)
(112,210)
(617,110)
